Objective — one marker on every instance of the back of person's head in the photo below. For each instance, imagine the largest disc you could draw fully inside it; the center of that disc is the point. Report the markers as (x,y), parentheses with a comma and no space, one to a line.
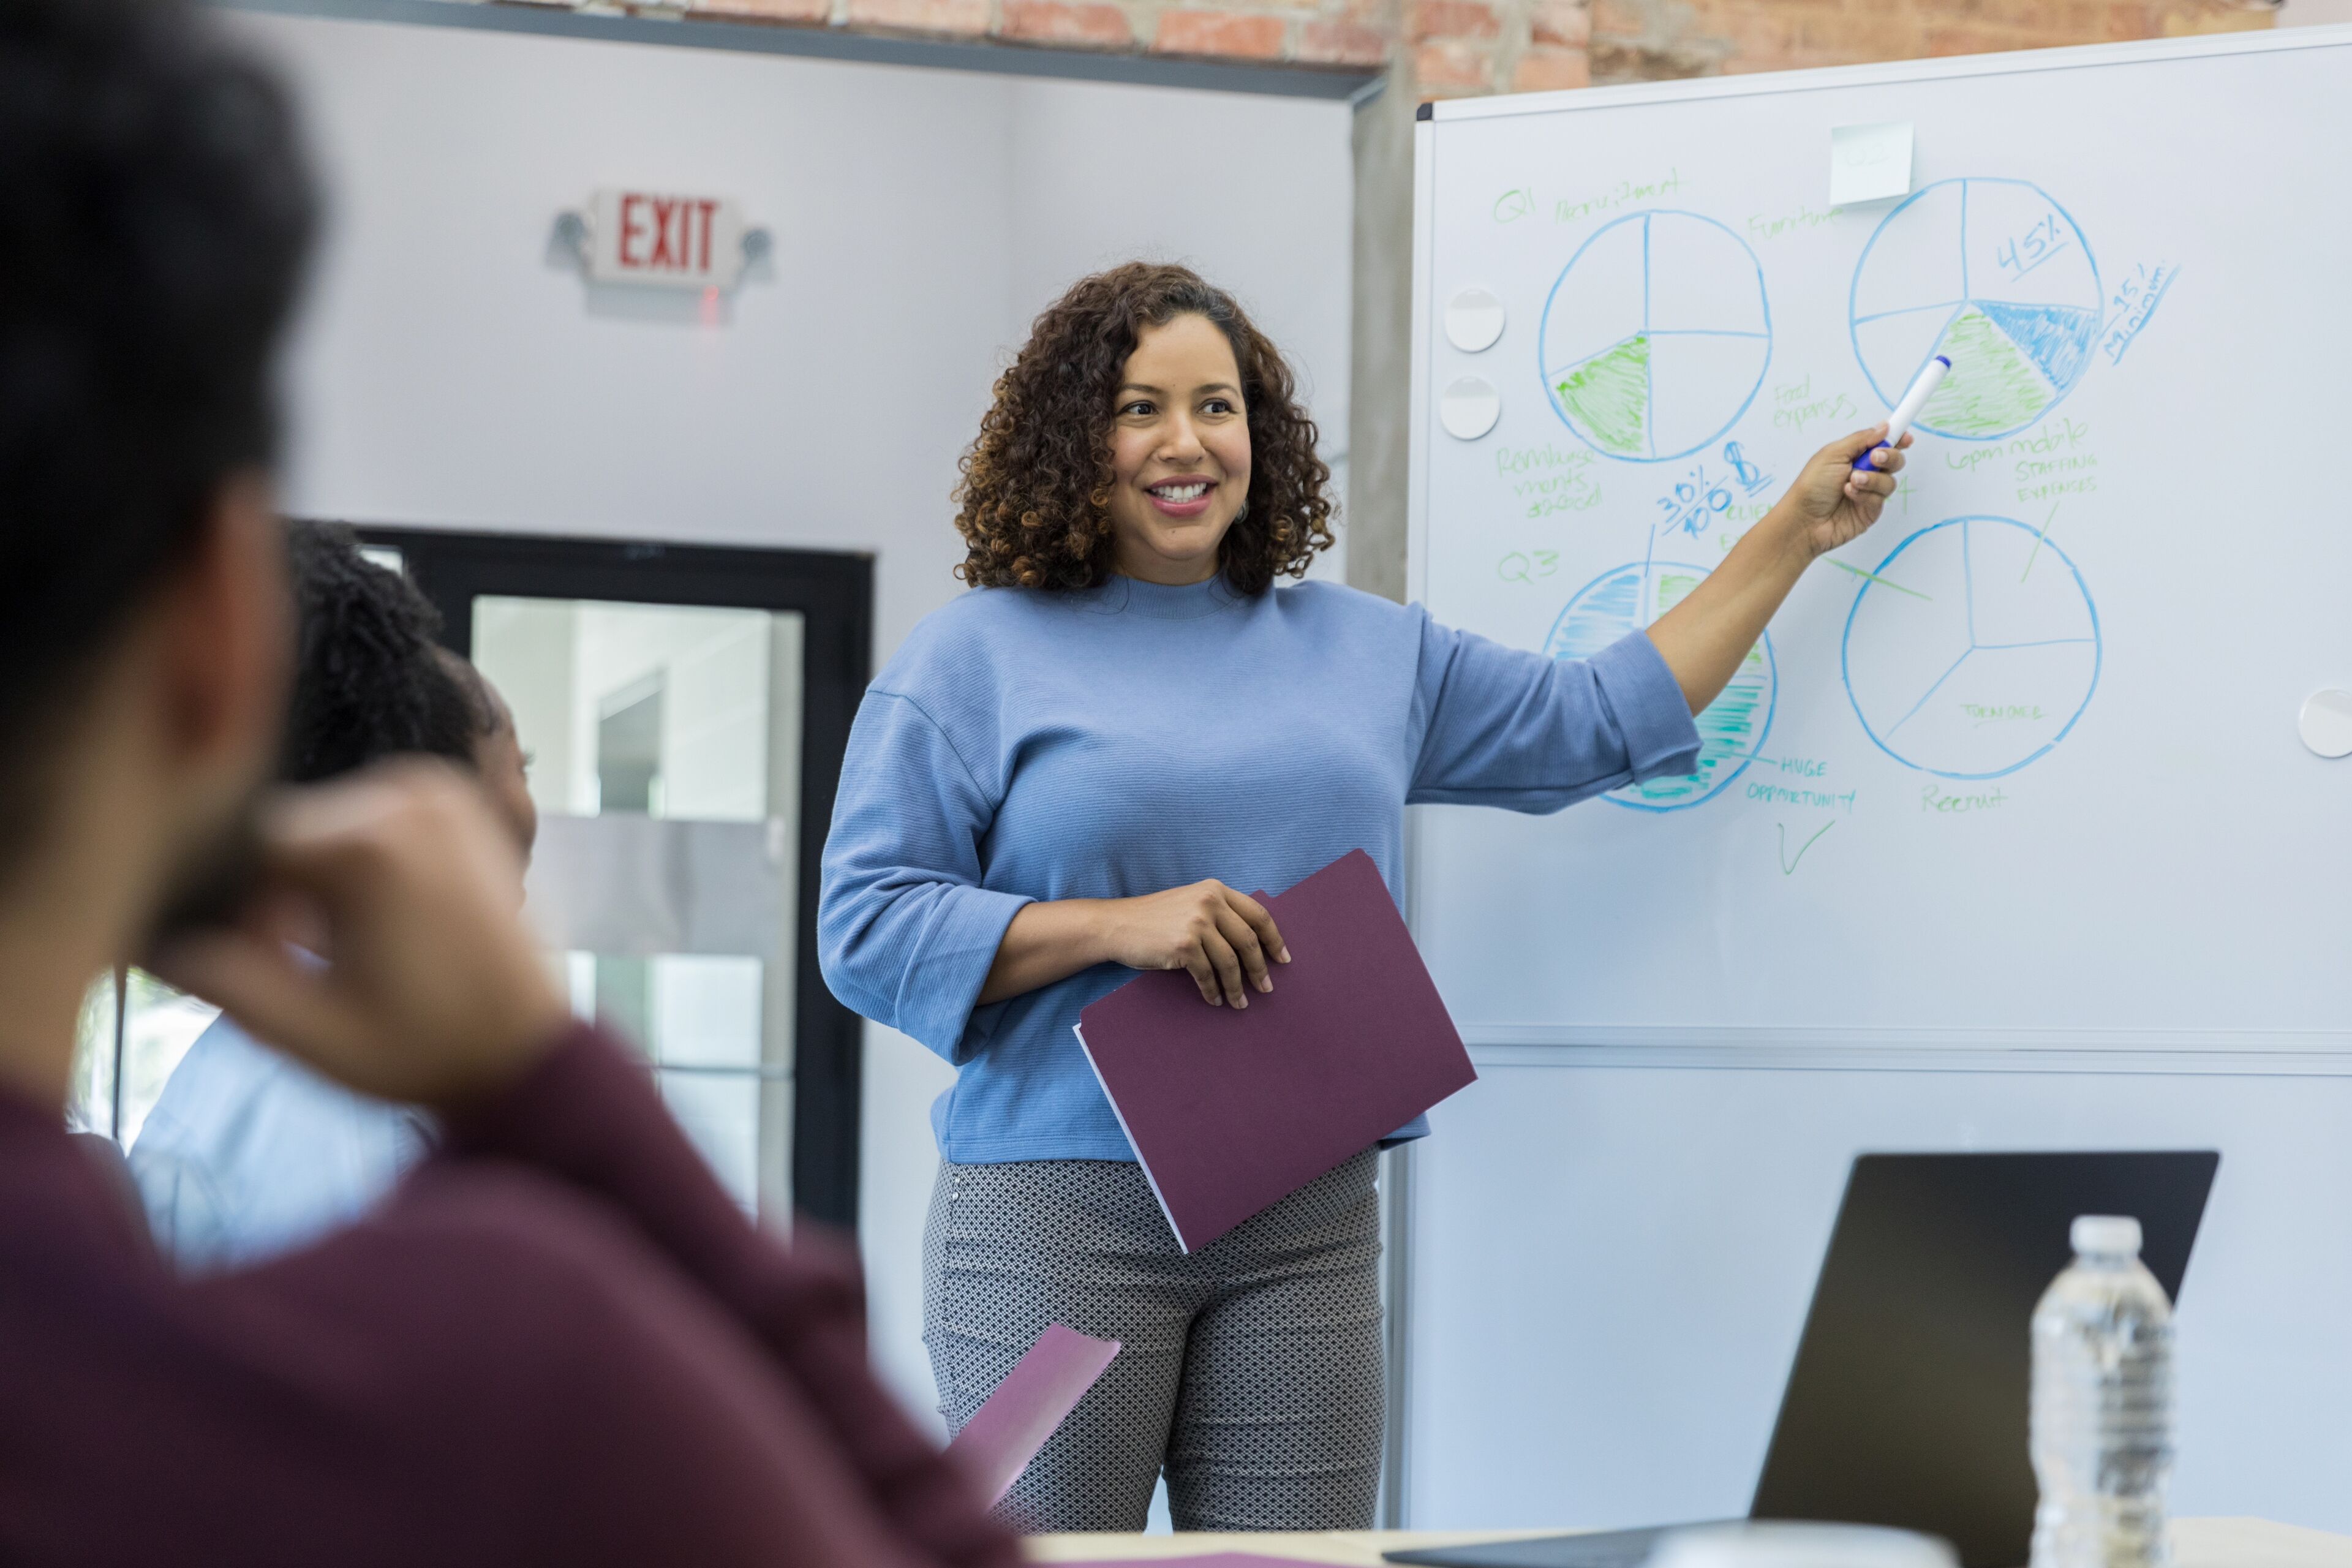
(155,214)
(370,679)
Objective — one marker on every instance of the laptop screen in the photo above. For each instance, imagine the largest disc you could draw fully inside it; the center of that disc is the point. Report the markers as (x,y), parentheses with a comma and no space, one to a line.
(1907,1405)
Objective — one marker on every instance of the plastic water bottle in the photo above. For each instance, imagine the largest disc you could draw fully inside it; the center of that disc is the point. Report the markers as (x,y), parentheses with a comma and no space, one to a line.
(2102,1426)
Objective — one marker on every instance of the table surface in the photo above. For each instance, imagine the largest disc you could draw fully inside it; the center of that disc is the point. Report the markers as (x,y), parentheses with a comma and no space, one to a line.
(2196,1543)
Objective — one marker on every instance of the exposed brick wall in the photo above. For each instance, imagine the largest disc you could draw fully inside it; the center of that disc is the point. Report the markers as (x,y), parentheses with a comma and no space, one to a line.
(1469,46)
(1457,47)
(1650,40)
(1342,34)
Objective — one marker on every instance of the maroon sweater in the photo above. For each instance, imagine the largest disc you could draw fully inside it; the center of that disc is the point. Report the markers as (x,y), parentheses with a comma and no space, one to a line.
(560,1342)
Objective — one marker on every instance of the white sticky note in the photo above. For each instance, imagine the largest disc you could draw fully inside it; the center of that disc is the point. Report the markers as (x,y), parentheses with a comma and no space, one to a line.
(1869,162)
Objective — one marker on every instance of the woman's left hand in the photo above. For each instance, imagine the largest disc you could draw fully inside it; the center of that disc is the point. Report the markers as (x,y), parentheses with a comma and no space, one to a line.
(1832,501)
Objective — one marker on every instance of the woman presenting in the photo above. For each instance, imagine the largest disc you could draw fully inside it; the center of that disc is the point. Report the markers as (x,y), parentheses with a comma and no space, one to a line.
(1064,776)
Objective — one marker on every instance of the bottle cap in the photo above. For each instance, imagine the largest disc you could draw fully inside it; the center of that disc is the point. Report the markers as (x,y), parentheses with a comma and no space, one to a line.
(1775,1545)
(2106,1233)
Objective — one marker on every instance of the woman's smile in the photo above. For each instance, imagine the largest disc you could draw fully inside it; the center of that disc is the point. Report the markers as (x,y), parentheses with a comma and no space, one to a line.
(1182,496)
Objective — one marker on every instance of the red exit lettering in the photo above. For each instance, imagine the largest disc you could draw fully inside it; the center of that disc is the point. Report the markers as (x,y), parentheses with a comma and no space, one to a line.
(632,229)
(651,237)
(665,233)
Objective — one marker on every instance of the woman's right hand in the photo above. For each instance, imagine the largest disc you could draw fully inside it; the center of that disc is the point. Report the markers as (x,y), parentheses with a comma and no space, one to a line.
(1225,939)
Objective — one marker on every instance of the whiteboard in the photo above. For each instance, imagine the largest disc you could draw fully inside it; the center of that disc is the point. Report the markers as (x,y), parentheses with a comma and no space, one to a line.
(2020,767)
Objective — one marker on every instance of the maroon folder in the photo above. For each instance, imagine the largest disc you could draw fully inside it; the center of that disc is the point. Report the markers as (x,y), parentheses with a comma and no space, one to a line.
(1028,1407)
(1230,1109)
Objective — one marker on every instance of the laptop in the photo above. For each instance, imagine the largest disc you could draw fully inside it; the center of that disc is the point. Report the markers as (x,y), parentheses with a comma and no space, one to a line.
(1906,1405)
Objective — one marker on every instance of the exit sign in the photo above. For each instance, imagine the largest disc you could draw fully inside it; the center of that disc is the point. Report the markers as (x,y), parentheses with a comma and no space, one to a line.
(663,238)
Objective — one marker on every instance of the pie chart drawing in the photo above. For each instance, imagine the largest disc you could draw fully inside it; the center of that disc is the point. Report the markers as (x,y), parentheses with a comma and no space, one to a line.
(1656,336)
(1996,277)
(1627,599)
(1972,649)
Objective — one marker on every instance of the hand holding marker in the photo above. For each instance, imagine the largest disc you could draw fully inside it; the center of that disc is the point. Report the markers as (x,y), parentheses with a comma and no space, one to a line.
(1898,422)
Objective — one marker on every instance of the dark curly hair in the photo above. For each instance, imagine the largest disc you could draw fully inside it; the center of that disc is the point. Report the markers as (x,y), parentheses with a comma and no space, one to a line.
(370,681)
(1033,505)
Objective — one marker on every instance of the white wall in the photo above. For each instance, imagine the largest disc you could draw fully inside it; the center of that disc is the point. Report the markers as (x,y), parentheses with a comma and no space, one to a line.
(454,374)
(1226,184)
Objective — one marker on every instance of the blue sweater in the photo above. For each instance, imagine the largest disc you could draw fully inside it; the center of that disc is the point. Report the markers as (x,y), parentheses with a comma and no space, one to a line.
(1130,738)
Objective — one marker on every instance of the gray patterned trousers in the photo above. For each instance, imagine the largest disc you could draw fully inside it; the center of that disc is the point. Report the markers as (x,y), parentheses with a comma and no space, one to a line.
(1251,1371)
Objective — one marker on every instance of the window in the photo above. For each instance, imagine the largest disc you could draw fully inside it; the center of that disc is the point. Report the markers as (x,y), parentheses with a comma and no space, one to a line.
(134,1031)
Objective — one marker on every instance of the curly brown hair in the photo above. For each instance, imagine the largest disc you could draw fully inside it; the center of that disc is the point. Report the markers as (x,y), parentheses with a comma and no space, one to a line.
(1033,504)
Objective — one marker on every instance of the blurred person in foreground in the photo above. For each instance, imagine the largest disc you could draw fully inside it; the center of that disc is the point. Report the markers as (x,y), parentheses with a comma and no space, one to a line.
(248,1153)
(560,1342)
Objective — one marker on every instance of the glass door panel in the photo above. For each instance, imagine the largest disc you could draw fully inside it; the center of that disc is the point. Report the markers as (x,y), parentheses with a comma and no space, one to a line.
(665,764)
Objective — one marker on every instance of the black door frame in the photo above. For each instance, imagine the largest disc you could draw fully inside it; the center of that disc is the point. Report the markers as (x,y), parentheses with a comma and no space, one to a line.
(834,593)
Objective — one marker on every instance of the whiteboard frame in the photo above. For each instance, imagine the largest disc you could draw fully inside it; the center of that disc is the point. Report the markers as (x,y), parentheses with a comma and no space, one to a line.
(2245,1052)
(1424,246)
(2325,1052)
(1576,1047)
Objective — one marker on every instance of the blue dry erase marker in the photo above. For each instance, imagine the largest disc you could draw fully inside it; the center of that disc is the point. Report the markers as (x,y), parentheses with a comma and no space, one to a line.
(1908,409)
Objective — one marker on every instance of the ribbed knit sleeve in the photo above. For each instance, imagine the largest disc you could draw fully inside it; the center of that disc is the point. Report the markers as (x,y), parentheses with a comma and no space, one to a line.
(1509,728)
(905,931)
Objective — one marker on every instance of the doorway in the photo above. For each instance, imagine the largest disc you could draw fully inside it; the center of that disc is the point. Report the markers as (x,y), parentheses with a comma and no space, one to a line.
(686,709)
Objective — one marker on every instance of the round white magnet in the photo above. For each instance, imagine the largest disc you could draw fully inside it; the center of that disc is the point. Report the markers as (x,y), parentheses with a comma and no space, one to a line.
(2326,724)
(1469,408)
(1474,320)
